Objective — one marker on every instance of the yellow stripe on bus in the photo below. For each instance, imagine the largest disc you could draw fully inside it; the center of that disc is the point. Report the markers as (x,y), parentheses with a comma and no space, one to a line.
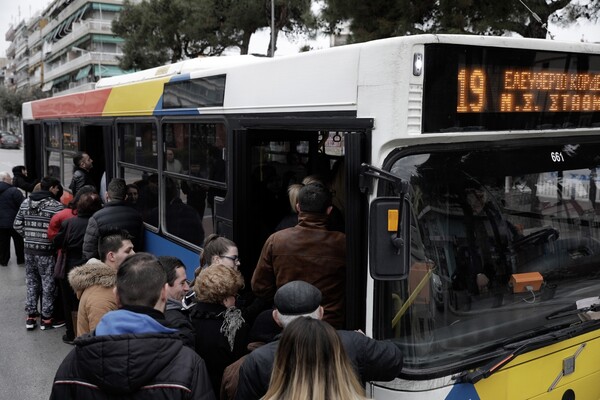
(534,375)
(135,100)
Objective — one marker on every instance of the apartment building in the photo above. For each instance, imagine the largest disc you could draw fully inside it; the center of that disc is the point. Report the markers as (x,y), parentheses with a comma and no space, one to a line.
(64,48)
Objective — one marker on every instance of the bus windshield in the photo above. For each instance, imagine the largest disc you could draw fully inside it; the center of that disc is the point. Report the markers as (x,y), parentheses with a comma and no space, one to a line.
(506,237)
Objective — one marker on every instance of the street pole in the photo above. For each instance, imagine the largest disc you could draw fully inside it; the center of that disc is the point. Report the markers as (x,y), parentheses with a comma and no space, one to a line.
(272,51)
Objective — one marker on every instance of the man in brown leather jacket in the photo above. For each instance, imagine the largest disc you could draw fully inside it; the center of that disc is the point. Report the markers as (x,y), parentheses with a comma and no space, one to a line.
(307,252)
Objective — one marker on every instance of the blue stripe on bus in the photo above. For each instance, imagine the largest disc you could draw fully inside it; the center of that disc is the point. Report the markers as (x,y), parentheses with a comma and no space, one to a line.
(160,246)
(180,77)
(178,111)
(463,391)
(158,110)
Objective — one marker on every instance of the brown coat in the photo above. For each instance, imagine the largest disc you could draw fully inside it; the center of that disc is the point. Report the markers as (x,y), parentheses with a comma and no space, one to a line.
(93,283)
(307,252)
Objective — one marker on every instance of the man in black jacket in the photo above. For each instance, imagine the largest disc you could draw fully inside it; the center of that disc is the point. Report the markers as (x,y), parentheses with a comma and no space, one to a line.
(374,360)
(177,316)
(117,213)
(82,164)
(10,201)
(132,353)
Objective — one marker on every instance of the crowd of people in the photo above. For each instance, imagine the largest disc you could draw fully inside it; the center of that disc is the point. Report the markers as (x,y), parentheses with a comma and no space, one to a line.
(142,330)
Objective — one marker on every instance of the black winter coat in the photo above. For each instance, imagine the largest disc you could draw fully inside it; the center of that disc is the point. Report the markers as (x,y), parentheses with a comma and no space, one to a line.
(115,214)
(70,238)
(212,345)
(23,182)
(131,366)
(10,201)
(373,360)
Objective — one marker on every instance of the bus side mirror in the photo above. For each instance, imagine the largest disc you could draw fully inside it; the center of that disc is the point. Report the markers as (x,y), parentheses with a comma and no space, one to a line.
(389,247)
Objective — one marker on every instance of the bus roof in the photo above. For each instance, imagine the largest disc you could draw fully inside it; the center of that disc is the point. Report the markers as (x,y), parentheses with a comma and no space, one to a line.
(311,81)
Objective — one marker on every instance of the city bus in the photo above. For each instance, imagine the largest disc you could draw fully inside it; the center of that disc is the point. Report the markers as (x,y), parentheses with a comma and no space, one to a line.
(465,169)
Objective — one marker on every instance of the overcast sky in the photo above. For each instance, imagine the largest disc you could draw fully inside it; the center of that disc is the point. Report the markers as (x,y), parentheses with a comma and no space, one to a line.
(10,10)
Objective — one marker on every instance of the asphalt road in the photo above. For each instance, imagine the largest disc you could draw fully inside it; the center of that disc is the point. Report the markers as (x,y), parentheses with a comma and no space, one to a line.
(28,359)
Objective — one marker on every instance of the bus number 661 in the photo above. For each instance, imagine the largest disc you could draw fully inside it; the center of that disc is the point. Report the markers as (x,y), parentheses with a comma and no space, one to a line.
(557,156)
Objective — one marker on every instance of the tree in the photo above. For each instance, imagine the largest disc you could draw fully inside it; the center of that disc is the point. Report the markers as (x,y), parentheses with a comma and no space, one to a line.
(385,18)
(11,102)
(157,31)
(160,31)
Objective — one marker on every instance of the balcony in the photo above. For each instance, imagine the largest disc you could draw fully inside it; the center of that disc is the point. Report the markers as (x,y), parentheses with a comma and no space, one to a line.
(91,58)
(35,59)
(75,88)
(80,30)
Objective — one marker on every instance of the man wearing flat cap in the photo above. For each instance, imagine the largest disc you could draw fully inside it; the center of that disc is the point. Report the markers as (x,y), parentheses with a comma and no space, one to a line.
(373,360)
(308,252)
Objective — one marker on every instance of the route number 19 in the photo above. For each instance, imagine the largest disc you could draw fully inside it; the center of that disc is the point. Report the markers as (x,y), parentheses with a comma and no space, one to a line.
(471,90)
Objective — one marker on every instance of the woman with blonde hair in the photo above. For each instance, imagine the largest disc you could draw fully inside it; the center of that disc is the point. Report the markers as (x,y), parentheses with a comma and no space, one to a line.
(221,331)
(311,364)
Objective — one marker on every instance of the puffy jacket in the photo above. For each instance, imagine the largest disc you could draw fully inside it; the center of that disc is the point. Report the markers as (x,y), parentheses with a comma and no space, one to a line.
(373,360)
(10,201)
(115,214)
(93,284)
(152,365)
(33,219)
(307,252)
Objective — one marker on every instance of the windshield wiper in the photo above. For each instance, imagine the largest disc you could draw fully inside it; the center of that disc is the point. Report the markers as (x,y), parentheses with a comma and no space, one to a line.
(521,347)
(585,305)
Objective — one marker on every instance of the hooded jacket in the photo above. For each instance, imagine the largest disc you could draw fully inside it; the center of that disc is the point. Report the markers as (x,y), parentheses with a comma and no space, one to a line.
(33,219)
(93,284)
(131,356)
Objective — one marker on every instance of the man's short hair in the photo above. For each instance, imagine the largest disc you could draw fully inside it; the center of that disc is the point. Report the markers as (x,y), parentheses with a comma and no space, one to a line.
(314,198)
(140,280)
(112,240)
(48,181)
(117,189)
(170,264)
(77,158)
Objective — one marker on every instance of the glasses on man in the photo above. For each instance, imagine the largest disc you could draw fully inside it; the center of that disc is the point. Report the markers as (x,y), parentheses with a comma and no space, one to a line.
(235,259)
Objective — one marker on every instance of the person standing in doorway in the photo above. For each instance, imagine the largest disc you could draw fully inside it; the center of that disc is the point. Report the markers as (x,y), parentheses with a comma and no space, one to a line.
(82,164)
(308,252)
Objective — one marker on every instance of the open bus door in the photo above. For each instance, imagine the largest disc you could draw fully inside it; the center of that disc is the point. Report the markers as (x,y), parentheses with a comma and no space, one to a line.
(95,140)
(267,161)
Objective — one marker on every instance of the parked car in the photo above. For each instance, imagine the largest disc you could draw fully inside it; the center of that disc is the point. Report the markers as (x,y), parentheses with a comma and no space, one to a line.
(9,141)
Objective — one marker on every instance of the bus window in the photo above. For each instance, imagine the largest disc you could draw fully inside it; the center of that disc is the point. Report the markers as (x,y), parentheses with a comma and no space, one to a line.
(195,161)
(485,219)
(138,144)
(54,165)
(138,160)
(70,136)
(52,131)
(147,184)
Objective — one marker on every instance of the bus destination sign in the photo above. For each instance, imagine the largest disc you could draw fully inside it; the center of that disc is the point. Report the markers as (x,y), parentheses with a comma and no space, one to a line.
(474,88)
(521,90)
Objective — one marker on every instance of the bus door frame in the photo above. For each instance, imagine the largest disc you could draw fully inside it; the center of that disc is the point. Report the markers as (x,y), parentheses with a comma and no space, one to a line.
(357,133)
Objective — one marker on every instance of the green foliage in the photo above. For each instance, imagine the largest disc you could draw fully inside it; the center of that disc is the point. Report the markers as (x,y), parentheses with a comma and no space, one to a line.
(11,102)
(160,31)
(385,18)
